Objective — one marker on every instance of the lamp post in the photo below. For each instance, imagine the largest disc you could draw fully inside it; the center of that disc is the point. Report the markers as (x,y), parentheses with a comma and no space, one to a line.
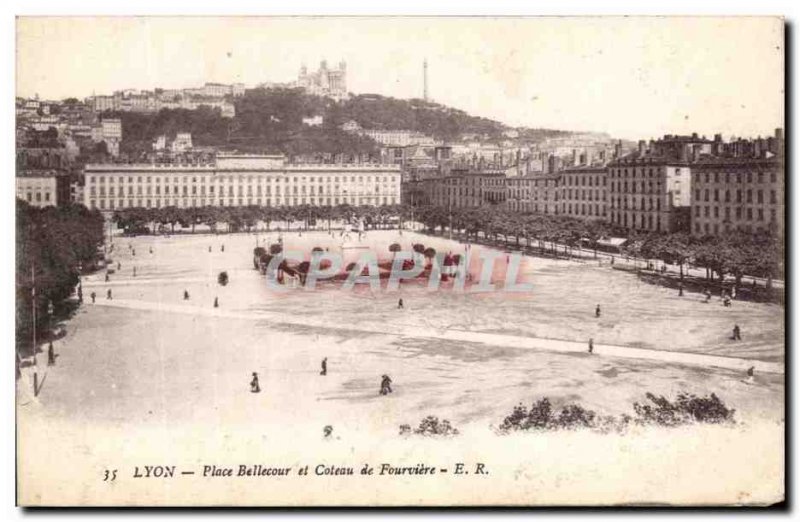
(33,309)
(450,219)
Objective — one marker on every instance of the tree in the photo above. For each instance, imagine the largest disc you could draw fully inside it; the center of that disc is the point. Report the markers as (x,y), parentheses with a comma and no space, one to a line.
(51,243)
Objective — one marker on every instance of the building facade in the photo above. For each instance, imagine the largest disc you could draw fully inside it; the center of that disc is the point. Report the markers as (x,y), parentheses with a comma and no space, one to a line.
(584,193)
(650,193)
(239,180)
(737,193)
(43,188)
(539,193)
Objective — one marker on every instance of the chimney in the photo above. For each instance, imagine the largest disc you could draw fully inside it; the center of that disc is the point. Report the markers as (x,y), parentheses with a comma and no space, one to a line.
(695,153)
(574,157)
(684,152)
(641,147)
(618,149)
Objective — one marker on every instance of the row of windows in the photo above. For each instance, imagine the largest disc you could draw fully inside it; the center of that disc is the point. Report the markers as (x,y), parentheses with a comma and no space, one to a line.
(623,173)
(240,179)
(222,192)
(773,195)
(622,186)
(112,204)
(582,181)
(30,197)
(738,177)
(644,204)
(644,221)
(707,211)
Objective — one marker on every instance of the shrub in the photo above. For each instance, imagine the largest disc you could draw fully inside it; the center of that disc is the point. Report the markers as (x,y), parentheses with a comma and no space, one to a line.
(541,417)
(686,409)
(222,278)
(430,426)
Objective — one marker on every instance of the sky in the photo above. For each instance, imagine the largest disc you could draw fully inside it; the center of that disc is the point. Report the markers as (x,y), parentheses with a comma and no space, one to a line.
(633,78)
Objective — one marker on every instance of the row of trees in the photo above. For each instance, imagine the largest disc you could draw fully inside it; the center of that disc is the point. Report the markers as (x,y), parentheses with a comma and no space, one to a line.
(234,219)
(52,243)
(737,254)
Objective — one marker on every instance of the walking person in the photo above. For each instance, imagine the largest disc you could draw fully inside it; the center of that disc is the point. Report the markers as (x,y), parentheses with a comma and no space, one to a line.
(597,311)
(254,386)
(680,289)
(51,355)
(108,294)
(216,303)
(93,295)
(324,366)
(400,303)
(751,377)
(222,248)
(106,277)
(737,333)
(386,385)
(591,345)
(134,271)
(185,295)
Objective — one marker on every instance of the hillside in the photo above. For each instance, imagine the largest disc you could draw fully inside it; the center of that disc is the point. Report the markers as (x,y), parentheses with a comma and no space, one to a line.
(271,120)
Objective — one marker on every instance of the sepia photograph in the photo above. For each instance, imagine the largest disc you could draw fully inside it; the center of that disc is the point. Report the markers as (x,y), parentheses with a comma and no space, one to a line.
(400,261)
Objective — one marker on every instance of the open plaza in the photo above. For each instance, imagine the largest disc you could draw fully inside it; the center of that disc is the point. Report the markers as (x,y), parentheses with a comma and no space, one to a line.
(150,363)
